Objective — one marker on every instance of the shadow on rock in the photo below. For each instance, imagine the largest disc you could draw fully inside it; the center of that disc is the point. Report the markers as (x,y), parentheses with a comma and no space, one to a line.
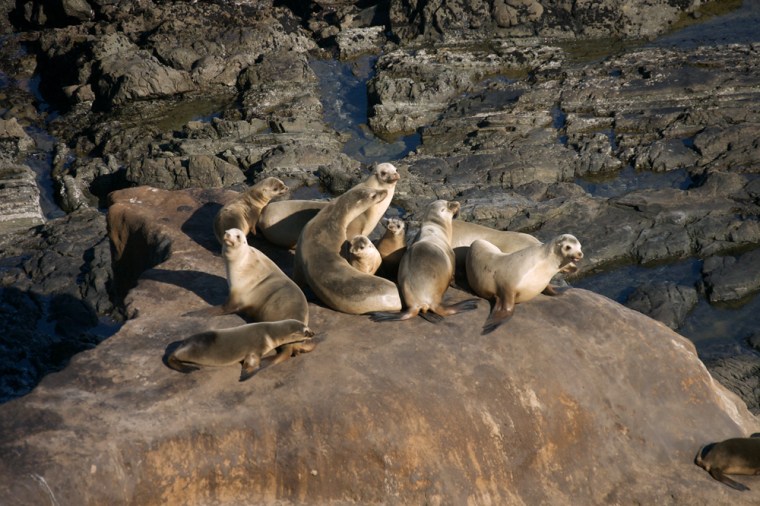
(200,226)
(211,288)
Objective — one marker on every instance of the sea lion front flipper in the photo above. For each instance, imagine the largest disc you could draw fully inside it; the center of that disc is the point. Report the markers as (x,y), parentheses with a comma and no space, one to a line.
(501,312)
(718,475)
(250,365)
(552,290)
(180,366)
(287,351)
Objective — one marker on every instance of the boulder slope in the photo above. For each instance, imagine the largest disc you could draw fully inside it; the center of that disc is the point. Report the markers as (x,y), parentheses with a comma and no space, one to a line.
(576,400)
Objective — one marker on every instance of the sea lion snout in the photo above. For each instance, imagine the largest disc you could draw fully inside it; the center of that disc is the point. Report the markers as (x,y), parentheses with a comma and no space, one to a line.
(454,207)
(308,332)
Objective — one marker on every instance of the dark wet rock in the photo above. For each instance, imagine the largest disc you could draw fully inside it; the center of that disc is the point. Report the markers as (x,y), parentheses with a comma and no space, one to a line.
(175,172)
(13,139)
(666,302)
(354,42)
(55,12)
(730,278)
(482,19)
(738,369)
(130,411)
(55,286)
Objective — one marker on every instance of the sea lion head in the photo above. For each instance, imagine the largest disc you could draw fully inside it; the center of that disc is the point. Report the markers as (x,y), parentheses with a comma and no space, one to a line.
(359,245)
(395,226)
(273,187)
(567,247)
(234,238)
(386,173)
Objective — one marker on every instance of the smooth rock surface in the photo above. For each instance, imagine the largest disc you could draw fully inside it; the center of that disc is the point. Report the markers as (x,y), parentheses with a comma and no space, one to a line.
(577,400)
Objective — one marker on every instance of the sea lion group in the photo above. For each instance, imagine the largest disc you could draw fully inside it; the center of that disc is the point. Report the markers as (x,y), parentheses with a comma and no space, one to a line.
(390,279)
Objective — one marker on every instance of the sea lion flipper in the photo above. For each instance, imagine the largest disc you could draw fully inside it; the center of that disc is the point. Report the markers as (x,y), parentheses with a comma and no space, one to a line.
(180,366)
(250,365)
(289,350)
(501,312)
(431,317)
(387,316)
(718,475)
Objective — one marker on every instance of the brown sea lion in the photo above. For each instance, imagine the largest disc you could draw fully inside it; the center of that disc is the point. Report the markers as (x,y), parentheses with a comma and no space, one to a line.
(510,279)
(739,455)
(427,267)
(391,246)
(243,212)
(259,290)
(244,343)
(384,176)
(318,260)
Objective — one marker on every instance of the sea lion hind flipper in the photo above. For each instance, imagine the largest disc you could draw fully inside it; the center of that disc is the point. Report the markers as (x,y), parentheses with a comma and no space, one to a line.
(250,366)
(384,316)
(718,475)
(464,305)
(496,318)
(431,317)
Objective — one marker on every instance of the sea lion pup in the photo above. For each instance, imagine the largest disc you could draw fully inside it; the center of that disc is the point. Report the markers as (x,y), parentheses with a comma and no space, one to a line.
(243,212)
(739,455)
(245,343)
(391,245)
(427,267)
(384,176)
(319,263)
(282,222)
(363,255)
(509,279)
(259,289)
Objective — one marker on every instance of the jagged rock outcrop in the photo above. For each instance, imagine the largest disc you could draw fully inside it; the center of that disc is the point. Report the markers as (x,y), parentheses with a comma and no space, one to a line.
(401,413)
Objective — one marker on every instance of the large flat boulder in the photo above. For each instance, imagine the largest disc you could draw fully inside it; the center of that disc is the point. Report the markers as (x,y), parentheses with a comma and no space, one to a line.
(576,400)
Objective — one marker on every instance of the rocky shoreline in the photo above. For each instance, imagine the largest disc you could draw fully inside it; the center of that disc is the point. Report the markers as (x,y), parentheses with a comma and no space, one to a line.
(512,122)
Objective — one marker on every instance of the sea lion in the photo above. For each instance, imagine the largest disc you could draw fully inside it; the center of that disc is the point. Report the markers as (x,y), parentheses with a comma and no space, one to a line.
(384,176)
(244,210)
(281,222)
(363,255)
(464,233)
(427,267)
(509,279)
(391,245)
(258,288)
(739,455)
(244,343)
(318,260)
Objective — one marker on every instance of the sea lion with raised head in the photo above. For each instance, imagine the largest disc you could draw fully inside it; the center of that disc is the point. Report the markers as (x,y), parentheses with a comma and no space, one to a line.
(363,255)
(281,222)
(258,289)
(427,267)
(244,210)
(509,279)
(244,343)
(739,455)
(318,260)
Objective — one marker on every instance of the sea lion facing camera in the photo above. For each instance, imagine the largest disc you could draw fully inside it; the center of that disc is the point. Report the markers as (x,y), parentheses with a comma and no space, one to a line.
(509,279)
(391,246)
(318,260)
(363,255)
(243,212)
(244,343)
(733,456)
(427,267)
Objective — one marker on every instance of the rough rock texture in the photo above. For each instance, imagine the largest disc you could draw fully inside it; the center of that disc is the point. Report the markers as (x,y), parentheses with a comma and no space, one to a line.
(19,197)
(404,413)
(666,302)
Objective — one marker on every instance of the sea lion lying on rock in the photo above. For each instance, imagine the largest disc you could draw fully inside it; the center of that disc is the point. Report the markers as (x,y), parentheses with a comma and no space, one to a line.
(733,456)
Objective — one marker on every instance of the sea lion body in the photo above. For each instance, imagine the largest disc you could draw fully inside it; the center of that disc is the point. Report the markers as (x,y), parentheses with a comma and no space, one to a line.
(245,343)
(281,222)
(464,233)
(510,279)
(363,255)
(318,260)
(427,267)
(732,456)
(244,211)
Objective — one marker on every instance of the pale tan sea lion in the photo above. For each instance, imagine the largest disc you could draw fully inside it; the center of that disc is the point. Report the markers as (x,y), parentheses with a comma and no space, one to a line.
(244,343)
(427,267)
(391,246)
(733,456)
(319,263)
(363,255)
(281,222)
(259,289)
(384,176)
(243,212)
(512,278)
(464,233)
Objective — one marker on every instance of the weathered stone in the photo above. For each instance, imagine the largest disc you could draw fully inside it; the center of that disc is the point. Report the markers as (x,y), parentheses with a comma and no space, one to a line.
(666,302)
(176,172)
(729,278)
(358,41)
(346,421)
(19,197)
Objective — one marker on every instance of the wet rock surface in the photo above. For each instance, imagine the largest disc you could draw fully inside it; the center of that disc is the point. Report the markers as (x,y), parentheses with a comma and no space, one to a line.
(646,152)
(372,405)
